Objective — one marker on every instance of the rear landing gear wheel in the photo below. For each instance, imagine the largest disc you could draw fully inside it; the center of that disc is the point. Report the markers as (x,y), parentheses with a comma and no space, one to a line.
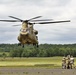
(37,45)
(19,44)
(23,46)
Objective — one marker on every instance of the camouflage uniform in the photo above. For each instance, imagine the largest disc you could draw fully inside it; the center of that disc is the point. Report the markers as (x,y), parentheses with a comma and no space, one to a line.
(68,63)
(72,61)
(64,63)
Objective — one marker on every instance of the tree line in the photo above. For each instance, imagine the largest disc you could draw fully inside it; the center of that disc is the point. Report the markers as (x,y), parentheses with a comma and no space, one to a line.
(44,50)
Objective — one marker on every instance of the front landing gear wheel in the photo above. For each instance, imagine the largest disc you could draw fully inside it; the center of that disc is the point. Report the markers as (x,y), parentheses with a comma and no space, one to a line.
(36,45)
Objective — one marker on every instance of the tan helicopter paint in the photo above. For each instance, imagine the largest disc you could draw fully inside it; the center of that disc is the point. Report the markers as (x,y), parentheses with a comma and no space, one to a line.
(27,34)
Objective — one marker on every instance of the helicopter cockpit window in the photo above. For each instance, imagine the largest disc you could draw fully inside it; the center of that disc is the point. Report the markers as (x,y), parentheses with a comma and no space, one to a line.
(23,30)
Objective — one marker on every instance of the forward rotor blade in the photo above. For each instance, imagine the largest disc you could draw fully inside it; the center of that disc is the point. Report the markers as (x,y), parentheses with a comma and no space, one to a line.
(34,18)
(16,18)
(10,20)
(52,22)
(16,25)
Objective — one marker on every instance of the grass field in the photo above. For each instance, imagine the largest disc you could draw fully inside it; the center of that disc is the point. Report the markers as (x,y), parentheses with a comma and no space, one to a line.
(47,62)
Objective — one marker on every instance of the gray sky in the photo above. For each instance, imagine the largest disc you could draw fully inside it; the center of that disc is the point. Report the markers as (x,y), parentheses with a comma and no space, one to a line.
(64,33)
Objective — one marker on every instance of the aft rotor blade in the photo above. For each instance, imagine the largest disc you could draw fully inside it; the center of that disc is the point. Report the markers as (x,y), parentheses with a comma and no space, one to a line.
(16,18)
(43,20)
(10,20)
(52,22)
(35,18)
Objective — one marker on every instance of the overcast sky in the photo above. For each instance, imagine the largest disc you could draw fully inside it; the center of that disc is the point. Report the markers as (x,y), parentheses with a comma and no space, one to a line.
(63,33)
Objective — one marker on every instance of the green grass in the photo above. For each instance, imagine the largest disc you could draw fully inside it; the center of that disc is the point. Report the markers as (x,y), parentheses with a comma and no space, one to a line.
(47,62)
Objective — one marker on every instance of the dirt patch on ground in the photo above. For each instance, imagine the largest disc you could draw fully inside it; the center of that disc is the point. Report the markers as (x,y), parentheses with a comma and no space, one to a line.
(36,71)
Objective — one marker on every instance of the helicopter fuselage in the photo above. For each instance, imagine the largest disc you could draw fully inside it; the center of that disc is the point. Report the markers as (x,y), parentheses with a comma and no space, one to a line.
(27,34)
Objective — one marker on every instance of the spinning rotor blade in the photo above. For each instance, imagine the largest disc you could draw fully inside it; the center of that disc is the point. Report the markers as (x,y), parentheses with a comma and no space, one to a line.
(52,22)
(10,20)
(16,25)
(16,18)
(34,18)
(43,20)
(24,20)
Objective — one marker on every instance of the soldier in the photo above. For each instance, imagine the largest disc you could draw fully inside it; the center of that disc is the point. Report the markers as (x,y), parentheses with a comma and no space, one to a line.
(72,61)
(68,62)
(64,63)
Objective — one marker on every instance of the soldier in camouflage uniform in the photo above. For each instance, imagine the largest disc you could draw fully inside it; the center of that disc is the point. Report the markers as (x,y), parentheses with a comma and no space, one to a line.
(64,63)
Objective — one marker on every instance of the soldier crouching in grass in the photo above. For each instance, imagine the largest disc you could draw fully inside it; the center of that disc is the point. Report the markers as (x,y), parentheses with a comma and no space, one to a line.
(64,63)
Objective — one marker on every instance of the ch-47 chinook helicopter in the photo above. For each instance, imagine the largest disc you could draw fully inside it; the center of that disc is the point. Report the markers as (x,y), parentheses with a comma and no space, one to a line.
(28,35)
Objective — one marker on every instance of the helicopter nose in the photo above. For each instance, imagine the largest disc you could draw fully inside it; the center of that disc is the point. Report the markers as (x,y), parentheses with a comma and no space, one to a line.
(24,31)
